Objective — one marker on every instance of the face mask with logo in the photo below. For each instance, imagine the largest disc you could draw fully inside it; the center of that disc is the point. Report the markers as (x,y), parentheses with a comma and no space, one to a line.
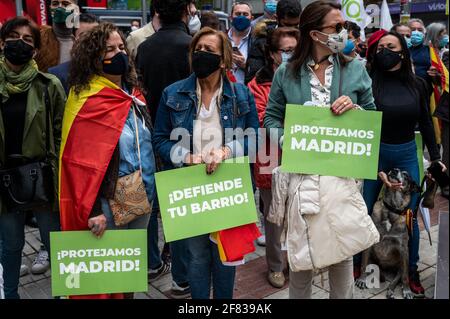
(417,38)
(336,41)
(205,63)
(241,23)
(60,15)
(285,57)
(194,24)
(117,65)
(387,59)
(444,41)
(18,52)
(271,6)
(349,47)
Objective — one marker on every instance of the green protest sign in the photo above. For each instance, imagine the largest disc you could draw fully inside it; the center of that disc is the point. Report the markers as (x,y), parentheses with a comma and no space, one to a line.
(85,265)
(318,142)
(419,145)
(193,203)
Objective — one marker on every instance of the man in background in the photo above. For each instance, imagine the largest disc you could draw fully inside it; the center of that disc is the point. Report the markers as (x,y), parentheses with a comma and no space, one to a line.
(86,22)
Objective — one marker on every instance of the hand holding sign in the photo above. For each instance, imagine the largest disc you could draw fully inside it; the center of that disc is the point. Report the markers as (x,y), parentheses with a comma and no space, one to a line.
(97,225)
(342,105)
(193,159)
(214,157)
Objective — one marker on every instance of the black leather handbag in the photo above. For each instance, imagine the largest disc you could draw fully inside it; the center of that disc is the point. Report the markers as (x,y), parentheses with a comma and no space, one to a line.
(27,184)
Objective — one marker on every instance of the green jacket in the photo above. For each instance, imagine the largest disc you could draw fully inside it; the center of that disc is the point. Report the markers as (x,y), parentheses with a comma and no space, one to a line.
(286,89)
(34,140)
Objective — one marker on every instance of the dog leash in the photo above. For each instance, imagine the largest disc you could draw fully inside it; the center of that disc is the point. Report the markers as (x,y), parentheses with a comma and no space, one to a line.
(408,213)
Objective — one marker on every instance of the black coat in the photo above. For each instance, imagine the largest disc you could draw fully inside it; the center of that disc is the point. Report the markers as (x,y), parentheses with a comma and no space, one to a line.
(256,58)
(162,60)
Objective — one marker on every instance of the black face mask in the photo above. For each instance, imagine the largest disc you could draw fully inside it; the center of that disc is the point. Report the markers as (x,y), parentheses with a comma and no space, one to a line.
(205,63)
(362,51)
(386,59)
(117,65)
(18,52)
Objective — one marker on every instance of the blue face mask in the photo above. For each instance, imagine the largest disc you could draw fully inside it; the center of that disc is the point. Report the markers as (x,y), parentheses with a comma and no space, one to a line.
(285,57)
(417,38)
(408,42)
(444,41)
(349,47)
(241,23)
(271,6)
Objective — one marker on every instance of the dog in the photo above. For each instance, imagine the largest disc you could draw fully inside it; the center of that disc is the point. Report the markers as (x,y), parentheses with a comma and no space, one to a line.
(391,252)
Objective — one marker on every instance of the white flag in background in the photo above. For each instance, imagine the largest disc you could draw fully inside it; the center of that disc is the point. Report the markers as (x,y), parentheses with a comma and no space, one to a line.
(385,17)
(353,10)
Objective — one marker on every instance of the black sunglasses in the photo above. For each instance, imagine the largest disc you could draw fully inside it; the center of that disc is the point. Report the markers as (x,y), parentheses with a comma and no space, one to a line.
(338,26)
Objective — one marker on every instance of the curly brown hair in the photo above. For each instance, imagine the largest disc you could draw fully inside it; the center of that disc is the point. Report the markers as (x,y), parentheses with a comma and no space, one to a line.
(86,58)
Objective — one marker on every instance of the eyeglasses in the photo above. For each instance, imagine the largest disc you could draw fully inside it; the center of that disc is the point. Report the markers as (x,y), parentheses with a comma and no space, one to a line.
(338,26)
(286,50)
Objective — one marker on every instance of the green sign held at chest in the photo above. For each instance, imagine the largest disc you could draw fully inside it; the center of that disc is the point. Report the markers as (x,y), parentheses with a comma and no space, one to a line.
(193,203)
(318,142)
(85,265)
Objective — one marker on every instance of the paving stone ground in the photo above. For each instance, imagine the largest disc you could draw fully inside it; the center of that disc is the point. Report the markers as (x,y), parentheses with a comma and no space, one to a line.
(251,277)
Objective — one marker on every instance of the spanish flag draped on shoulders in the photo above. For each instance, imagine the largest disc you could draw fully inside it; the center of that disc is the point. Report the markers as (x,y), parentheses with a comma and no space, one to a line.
(438,89)
(93,122)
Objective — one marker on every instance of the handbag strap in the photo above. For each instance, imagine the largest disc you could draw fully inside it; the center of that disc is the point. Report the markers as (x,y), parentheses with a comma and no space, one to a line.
(47,107)
(137,138)
(341,69)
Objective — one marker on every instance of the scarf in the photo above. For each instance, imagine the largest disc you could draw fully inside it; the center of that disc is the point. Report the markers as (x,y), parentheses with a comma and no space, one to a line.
(14,83)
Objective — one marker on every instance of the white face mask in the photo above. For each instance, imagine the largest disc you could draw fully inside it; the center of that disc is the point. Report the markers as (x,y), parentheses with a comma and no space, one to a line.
(285,57)
(194,24)
(134,28)
(336,41)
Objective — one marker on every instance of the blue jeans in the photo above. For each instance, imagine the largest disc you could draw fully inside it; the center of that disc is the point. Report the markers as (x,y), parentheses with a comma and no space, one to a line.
(12,229)
(204,263)
(178,250)
(404,157)
(179,255)
(153,255)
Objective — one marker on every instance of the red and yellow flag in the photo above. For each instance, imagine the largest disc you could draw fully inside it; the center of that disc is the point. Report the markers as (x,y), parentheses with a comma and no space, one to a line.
(92,124)
(234,243)
(437,89)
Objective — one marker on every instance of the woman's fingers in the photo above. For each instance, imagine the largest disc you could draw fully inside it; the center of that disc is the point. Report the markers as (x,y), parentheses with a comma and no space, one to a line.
(342,105)
(101,230)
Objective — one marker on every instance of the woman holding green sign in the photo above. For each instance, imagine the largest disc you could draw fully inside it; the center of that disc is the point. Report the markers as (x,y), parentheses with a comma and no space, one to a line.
(107,161)
(204,111)
(318,74)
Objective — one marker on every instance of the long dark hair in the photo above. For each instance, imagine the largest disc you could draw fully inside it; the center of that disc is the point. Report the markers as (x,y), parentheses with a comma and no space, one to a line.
(86,57)
(310,19)
(406,73)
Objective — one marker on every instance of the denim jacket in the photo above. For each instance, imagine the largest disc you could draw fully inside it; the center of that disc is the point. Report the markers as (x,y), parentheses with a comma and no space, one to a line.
(178,110)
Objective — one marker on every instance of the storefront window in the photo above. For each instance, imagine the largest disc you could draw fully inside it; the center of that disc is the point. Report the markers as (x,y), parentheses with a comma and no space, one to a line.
(126,4)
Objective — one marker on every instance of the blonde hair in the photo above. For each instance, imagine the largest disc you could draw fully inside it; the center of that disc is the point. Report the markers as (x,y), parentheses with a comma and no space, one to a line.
(226,50)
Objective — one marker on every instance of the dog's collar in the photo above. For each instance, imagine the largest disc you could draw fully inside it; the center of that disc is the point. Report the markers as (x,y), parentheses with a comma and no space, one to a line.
(394,210)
